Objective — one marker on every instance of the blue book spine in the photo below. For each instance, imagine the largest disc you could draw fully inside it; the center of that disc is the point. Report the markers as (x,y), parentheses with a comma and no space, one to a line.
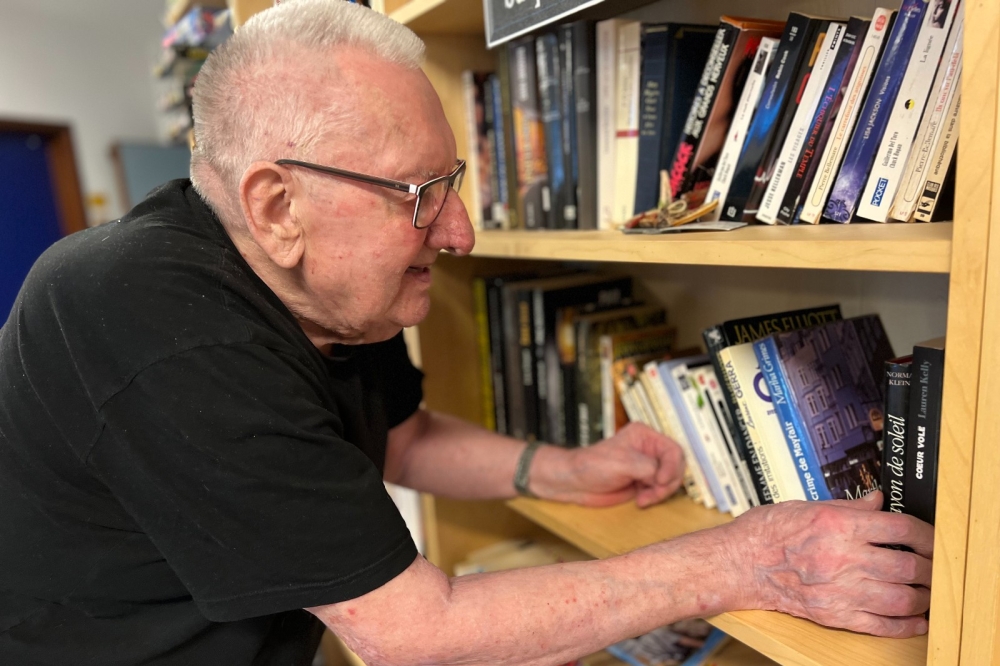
(691,430)
(652,91)
(547,50)
(796,436)
(875,114)
(500,147)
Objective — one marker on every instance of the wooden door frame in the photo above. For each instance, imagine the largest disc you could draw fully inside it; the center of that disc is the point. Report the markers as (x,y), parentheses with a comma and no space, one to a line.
(62,168)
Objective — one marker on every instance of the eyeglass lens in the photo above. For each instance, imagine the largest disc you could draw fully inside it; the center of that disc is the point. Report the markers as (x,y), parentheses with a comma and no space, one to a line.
(432,200)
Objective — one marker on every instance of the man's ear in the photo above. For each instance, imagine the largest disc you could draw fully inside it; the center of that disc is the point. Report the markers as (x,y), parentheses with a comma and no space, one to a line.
(265,196)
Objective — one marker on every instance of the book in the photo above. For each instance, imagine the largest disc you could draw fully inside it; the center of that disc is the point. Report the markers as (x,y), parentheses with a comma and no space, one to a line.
(744,196)
(652,93)
(923,435)
(822,122)
(586,330)
(649,341)
(494,154)
(944,88)
(626,120)
(607,106)
(585,104)
(684,643)
(942,164)
(481,315)
(529,143)
(550,98)
(829,382)
(497,350)
(906,112)
(897,413)
(822,61)
(718,419)
(874,116)
(853,97)
(567,106)
(731,150)
(507,156)
(480,163)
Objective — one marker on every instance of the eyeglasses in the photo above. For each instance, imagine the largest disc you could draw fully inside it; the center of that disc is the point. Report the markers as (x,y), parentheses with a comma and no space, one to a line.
(430,195)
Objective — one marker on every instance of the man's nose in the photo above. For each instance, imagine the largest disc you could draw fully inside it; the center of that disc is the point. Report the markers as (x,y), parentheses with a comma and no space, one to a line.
(452,230)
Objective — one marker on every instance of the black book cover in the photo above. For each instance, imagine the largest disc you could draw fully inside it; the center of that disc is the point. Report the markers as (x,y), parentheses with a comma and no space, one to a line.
(584,91)
(550,103)
(897,413)
(799,30)
(652,93)
(923,435)
(567,106)
(510,156)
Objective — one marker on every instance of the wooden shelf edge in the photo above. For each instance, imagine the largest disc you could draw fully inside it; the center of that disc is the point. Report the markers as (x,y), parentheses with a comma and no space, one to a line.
(913,248)
(788,640)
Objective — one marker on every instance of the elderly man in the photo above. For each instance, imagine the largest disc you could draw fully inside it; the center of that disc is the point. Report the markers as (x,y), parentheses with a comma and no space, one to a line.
(199,404)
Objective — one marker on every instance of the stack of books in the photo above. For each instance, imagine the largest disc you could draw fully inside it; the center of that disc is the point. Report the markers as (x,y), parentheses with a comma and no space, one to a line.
(814,119)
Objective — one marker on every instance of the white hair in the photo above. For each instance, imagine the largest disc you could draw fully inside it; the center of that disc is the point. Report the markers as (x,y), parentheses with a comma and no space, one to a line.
(247,106)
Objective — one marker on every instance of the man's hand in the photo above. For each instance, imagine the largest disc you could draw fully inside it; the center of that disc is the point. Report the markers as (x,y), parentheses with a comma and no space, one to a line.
(637,462)
(821,561)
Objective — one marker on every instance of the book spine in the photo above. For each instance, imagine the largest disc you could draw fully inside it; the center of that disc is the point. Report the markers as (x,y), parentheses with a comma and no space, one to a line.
(538,339)
(684,397)
(509,154)
(549,94)
(495,316)
(806,460)
(567,107)
(654,73)
(940,164)
(778,81)
(588,389)
(481,315)
(517,423)
(607,76)
(493,214)
(701,410)
(897,402)
(730,155)
(738,468)
(924,432)
(819,128)
(526,356)
(501,207)
(472,105)
(584,89)
(904,117)
(949,77)
(532,169)
(627,120)
(885,85)
(607,387)
(806,107)
(681,166)
(867,60)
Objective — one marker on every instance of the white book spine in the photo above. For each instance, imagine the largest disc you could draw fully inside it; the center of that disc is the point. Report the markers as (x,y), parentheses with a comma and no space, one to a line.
(894,150)
(472,141)
(627,121)
(940,162)
(741,471)
(607,387)
(694,479)
(854,97)
(764,427)
(730,155)
(607,74)
(948,79)
(797,131)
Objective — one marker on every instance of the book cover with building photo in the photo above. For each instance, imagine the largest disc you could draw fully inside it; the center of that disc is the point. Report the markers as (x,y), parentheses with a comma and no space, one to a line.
(833,376)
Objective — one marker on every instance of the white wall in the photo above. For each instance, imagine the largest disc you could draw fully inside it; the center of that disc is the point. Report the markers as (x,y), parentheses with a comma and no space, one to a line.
(85,64)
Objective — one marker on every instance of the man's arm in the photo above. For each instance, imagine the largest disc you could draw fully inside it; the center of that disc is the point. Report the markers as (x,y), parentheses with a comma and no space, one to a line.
(815,560)
(446,456)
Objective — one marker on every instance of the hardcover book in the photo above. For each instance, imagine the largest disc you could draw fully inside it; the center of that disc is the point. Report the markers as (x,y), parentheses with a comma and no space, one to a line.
(567,107)
(529,141)
(897,413)
(655,38)
(607,107)
(923,437)
(779,84)
(905,114)
(867,136)
(514,220)
(550,97)
(826,383)
(942,164)
(626,120)
(840,133)
(500,153)
(584,91)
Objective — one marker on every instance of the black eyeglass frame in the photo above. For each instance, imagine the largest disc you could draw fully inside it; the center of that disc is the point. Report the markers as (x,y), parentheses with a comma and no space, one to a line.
(456,175)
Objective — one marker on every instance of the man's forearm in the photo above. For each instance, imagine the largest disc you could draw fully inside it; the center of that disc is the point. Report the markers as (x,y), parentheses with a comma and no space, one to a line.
(546,615)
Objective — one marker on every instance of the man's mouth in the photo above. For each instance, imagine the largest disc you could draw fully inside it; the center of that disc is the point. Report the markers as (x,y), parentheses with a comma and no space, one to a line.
(418,270)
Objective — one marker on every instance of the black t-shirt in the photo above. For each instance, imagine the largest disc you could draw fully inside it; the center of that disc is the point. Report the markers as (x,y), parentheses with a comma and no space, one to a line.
(181,471)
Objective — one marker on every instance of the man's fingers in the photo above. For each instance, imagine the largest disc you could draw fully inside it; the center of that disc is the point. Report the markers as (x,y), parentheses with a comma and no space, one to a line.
(889,627)
(891,600)
(897,566)
(898,529)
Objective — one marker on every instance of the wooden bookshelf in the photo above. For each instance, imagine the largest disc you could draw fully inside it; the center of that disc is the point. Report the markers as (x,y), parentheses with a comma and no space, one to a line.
(439,17)
(915,248)
(788,640)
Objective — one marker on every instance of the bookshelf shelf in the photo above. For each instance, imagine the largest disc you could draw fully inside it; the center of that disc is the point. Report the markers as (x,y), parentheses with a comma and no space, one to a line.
(615,530)
(440,17)
(917,248)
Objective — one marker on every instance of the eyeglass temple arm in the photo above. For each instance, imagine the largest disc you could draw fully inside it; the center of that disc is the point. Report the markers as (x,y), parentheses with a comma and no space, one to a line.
(409,188)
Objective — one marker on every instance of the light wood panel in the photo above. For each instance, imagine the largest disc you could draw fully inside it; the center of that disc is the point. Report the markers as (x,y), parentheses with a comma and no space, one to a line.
(440,17)
(973,201)
(615,530)
(919,248)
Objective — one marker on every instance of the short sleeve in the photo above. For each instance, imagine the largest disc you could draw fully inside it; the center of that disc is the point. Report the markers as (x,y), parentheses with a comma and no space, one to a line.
(234,464)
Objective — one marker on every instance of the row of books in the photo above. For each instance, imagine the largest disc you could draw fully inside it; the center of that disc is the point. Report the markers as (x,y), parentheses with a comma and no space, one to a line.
(808,120)
(783,406)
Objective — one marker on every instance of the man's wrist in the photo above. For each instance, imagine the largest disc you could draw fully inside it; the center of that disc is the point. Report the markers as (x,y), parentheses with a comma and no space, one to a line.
(522,473)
